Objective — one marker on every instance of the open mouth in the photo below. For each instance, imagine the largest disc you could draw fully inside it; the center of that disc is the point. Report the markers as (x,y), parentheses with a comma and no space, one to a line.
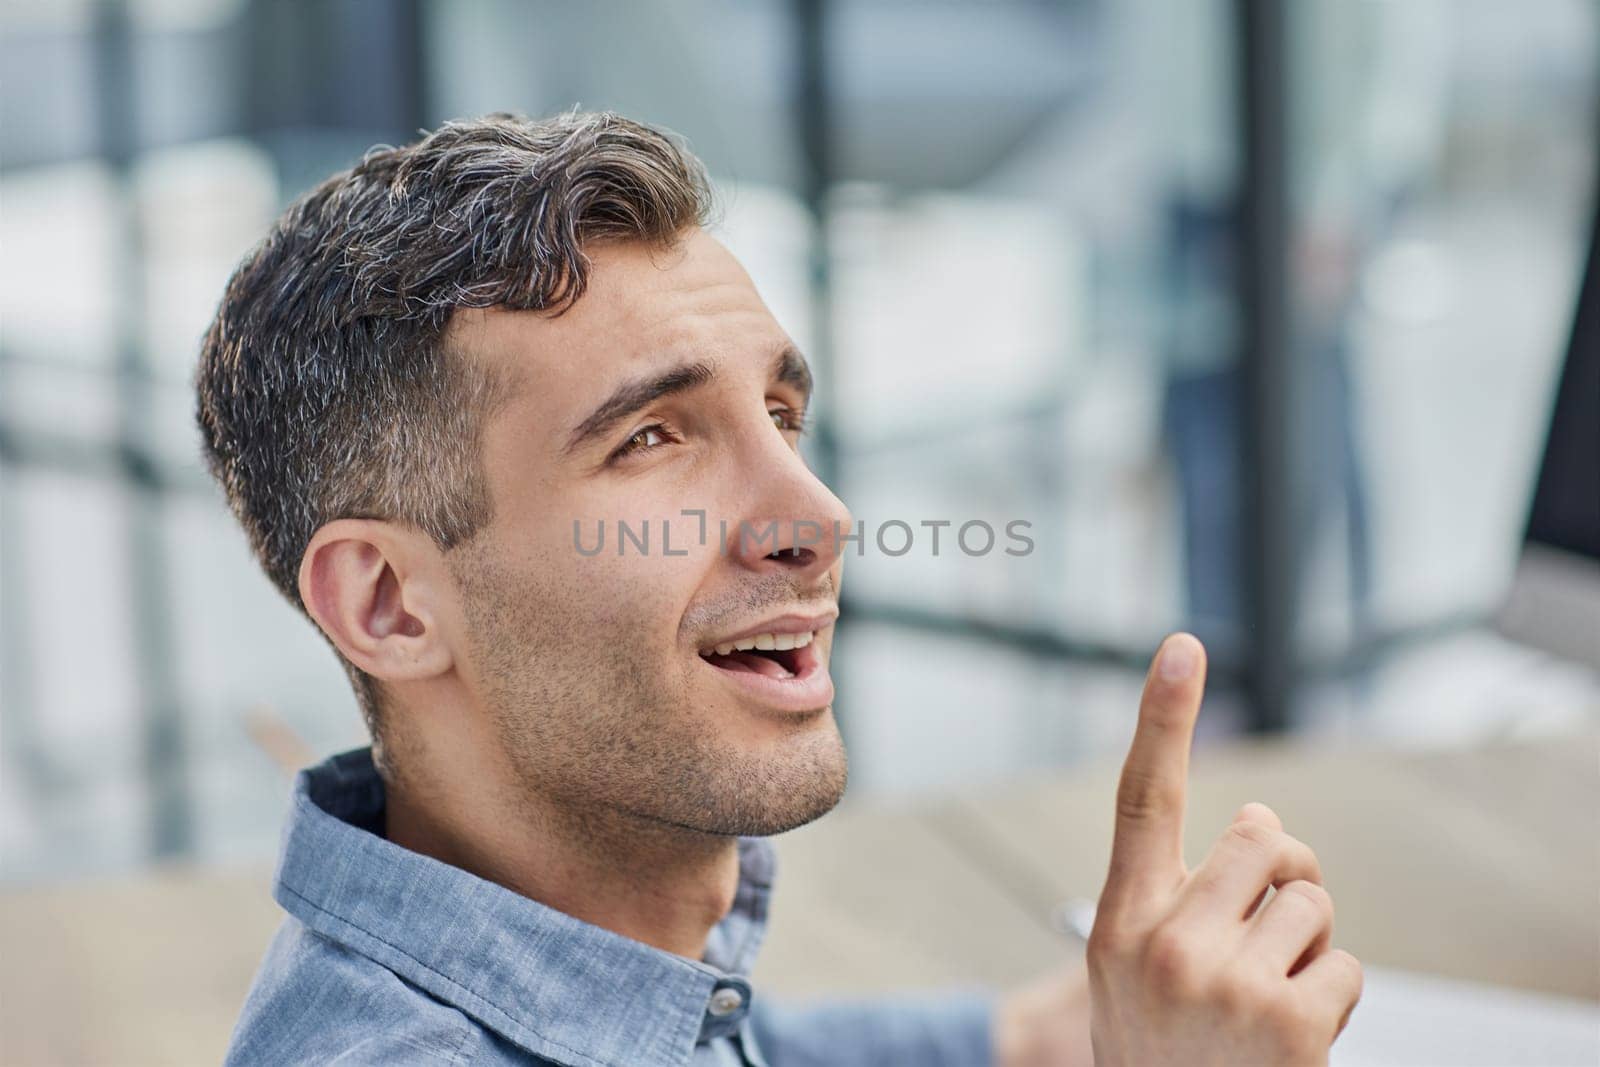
(770,655)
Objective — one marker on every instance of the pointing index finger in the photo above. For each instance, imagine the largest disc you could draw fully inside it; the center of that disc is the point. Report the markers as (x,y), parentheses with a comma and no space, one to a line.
(1147,849)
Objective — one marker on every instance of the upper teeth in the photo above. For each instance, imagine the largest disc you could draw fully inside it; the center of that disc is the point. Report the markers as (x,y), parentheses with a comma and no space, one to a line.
(763,643)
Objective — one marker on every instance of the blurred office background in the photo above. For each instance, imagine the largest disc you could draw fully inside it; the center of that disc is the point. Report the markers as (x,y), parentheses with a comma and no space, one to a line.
(1256,320)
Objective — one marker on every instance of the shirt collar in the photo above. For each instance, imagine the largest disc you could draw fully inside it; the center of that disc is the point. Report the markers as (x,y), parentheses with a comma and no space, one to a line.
(535,975)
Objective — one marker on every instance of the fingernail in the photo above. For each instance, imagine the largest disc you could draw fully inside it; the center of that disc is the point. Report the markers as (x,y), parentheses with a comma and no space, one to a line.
(1177,660)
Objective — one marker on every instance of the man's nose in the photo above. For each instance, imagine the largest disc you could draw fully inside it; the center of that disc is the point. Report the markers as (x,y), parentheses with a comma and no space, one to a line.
(794,523)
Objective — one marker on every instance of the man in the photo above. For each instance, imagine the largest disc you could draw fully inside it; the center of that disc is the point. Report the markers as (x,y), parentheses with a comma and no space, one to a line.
(424,394)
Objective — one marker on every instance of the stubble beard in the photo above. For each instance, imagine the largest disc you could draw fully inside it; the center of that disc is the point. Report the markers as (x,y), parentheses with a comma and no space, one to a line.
(605,739)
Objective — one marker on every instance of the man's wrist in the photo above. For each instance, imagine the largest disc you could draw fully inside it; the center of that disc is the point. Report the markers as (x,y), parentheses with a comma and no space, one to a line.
(1045,1023)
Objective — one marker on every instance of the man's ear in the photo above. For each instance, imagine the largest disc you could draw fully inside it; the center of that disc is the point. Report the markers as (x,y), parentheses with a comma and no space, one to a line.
(369,584)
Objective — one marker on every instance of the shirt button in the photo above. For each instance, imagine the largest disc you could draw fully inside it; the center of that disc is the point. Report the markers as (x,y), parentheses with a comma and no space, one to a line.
(725,1002)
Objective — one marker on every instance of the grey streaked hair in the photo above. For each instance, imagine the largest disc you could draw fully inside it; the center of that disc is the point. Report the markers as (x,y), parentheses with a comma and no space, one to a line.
(325,389)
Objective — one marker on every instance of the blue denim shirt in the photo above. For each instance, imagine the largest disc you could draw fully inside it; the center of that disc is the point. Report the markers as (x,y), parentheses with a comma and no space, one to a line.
(388,956)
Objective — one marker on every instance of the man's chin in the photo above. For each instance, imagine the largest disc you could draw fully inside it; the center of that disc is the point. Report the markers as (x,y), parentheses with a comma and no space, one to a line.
(778,820)
(801,782)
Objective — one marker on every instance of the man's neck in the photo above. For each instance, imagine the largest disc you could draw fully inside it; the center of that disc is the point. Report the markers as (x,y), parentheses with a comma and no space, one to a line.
(659,884)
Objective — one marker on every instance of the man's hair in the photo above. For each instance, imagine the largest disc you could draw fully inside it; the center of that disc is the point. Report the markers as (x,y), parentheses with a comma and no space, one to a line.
(325,389)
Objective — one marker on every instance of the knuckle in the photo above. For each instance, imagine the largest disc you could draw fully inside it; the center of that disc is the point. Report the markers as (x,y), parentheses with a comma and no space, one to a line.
(1358,976)
(1172,964)
(1305,856)
(1114,939)
(1107,942)
(1311,893)
(1328,1012)
(1266,814)
(1162,713)
(1281,849)
(1240,995)
(1254,836)
(1255,811)
(1142,797)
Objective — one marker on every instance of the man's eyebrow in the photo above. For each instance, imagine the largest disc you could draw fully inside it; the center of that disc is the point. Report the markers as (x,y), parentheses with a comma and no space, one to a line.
(629,397)
(791,368)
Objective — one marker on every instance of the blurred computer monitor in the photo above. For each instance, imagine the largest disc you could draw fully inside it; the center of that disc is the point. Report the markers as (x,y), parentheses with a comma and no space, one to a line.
(1554,603)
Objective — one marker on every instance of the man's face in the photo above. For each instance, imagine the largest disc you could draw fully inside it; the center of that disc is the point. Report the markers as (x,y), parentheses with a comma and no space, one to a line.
(667,387)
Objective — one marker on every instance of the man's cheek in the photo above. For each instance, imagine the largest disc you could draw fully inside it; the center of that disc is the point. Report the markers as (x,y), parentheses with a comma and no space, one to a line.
(643,597)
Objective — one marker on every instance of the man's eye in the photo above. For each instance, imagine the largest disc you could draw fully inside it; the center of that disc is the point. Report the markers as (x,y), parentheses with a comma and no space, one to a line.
(788,419)
(645,439)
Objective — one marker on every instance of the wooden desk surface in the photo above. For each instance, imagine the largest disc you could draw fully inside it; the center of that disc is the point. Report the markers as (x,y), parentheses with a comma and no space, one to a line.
(1480,864)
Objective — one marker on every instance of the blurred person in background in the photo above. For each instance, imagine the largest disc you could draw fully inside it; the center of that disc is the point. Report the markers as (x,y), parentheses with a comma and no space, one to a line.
(437,374)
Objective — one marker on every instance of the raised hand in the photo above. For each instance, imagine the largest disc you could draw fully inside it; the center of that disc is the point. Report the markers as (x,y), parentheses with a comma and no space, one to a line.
(1188,967)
